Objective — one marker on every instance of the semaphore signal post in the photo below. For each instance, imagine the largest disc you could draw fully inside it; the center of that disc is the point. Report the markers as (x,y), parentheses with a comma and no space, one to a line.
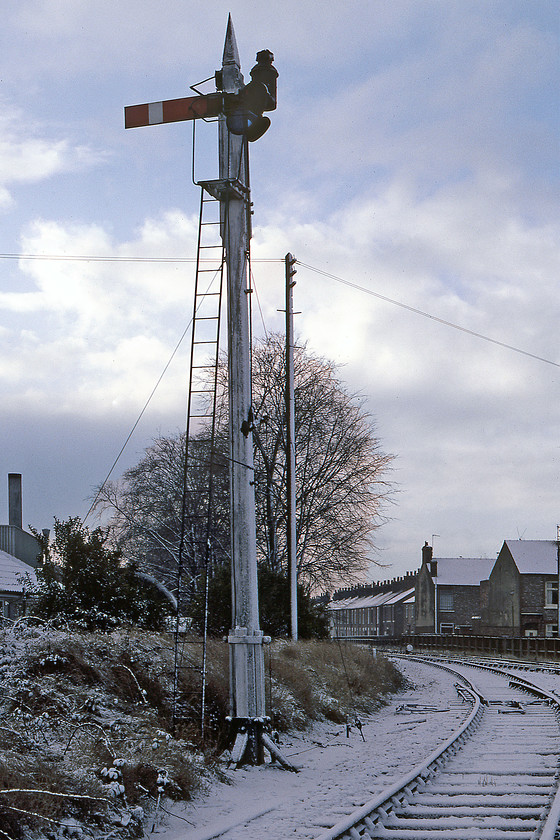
(239,109)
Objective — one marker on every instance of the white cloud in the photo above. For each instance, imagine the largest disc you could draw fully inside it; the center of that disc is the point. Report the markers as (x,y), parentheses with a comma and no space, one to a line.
(27,157)
(102,331)
(474,425)
(412,153)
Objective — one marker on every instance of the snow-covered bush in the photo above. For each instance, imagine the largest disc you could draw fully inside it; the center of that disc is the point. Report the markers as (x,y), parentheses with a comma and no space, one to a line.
(83,580)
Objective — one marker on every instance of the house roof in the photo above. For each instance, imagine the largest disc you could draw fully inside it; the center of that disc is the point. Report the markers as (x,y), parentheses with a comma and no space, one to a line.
(13,572)
(534,557)
(462,571)
(400,596)
(390,597)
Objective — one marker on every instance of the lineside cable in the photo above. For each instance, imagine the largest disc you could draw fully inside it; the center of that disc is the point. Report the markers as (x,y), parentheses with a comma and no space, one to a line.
(426,314)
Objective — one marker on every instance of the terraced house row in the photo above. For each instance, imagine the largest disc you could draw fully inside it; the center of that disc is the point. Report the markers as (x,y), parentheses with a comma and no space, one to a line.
(514,595)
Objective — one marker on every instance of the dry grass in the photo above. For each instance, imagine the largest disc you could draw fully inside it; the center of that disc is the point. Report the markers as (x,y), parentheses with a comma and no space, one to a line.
(311,680)
(72,703)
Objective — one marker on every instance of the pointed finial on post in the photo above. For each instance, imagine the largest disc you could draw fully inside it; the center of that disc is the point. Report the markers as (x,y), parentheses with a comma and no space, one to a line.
(232,78)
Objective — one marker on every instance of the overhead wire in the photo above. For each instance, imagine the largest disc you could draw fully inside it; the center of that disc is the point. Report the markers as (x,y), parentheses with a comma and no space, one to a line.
(315,269)
(424,314)
(309,267)
(112,259)
(142,412)
(146,404)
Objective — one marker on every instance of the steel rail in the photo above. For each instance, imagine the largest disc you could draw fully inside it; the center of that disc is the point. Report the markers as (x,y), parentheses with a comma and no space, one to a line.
(549,828)
(361,824)
(384,802)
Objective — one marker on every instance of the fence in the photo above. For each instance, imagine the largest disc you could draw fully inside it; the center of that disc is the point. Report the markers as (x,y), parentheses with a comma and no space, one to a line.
(524,647)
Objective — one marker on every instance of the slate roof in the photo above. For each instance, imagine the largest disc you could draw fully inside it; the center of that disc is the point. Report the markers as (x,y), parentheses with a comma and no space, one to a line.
(389,597)
(12,573)
(462,571)
(534,557)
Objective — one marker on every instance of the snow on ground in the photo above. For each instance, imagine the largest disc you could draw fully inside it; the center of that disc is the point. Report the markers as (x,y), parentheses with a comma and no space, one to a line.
(337,774)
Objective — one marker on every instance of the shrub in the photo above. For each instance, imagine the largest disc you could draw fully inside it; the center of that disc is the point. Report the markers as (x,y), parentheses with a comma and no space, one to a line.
(83,581)
(274,606)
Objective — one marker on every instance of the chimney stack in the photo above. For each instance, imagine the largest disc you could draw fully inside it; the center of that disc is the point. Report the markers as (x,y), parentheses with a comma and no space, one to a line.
(15,517)
(427,553)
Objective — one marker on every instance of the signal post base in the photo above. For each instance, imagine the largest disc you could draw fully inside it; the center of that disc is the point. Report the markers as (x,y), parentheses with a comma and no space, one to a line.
(250,738)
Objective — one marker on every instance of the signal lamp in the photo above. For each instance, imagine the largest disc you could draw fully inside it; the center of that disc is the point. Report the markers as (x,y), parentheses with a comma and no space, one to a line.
(244,110)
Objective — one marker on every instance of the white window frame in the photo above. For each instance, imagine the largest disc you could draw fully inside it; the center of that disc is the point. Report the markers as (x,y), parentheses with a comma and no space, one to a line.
(449,596)
(551,590)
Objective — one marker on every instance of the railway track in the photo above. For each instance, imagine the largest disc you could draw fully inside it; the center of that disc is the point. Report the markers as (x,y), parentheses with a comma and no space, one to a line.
(496,777)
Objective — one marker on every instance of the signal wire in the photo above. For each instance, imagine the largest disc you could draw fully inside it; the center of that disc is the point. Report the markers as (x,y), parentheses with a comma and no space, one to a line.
(146,404)
(113,259)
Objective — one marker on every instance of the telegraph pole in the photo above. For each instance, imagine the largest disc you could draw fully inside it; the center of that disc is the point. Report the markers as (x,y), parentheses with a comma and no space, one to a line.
(290,443)
(239,108)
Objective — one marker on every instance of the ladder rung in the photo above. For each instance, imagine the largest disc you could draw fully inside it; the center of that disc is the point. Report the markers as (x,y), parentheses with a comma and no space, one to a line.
(207,318)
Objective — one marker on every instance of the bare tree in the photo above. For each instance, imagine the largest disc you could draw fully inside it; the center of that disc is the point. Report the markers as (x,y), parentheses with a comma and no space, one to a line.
(147,502)
(341,479)
(341,472)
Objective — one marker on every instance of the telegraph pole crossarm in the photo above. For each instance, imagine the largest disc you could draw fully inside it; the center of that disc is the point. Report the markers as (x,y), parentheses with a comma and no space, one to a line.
(239,108)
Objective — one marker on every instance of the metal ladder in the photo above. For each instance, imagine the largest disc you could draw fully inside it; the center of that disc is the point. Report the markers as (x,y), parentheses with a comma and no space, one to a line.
(204,358)
(199,451)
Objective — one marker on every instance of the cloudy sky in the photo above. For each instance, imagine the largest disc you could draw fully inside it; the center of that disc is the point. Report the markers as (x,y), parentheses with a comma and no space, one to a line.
(412,166)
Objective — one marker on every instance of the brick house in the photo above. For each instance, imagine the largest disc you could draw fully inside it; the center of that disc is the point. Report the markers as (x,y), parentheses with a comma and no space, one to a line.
(448,593)
(521,596)
(378,609)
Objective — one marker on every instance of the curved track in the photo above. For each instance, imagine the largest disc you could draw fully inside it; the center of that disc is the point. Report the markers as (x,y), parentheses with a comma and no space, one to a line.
(496,777)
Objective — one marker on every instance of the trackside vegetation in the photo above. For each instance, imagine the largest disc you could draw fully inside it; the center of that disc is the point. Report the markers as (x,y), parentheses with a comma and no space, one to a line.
(87,748)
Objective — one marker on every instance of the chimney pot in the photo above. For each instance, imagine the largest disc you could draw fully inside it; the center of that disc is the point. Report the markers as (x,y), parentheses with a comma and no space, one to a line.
(427,553)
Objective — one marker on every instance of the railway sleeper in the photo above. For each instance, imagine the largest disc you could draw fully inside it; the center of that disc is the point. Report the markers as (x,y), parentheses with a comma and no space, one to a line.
(512,786)
(481,821)
(421,811)
(511,800)
(450,834)
(538,777)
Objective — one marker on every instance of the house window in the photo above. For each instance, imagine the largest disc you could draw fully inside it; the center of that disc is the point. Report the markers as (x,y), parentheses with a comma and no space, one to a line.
(551,593)
(445,600)
(551,630)
(446,628)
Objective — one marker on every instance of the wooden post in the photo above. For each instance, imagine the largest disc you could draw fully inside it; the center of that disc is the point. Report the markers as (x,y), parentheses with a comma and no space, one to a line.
(290,444)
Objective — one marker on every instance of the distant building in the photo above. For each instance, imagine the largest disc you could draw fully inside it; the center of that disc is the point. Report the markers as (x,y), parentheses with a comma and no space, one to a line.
(448,593)
(377,609)
(16,577)
(521,595)
(19,556)
(514,595)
